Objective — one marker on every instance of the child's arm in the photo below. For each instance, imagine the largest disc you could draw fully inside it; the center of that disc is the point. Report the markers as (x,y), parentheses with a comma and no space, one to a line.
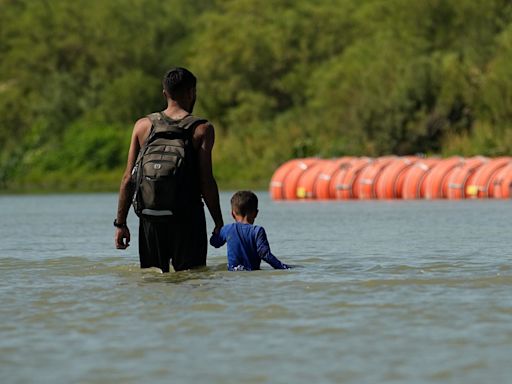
(264,251)
(218,240)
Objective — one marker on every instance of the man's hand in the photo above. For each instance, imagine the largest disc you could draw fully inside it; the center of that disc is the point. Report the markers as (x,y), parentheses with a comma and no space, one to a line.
(215,240)
(216,230)
(122,238)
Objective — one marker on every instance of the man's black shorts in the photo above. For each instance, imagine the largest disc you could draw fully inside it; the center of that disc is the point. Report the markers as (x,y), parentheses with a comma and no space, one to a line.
(182,241)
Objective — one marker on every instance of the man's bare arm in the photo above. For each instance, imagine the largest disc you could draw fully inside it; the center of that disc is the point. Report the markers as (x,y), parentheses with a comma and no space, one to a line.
(204,137)
(140,131)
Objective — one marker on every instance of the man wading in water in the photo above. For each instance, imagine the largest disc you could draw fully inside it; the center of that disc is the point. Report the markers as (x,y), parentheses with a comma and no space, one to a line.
(172,225)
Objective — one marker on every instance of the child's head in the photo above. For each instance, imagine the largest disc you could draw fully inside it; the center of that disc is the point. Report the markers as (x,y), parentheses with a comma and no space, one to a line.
(244,205)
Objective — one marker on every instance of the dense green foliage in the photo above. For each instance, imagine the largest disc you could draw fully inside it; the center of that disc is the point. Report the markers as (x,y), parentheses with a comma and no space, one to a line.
(278,79)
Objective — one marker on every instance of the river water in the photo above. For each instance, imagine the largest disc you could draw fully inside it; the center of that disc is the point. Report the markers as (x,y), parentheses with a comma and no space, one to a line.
(381,292)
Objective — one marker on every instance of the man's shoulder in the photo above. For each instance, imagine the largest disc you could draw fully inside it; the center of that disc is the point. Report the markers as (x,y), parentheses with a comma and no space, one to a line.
(202,126)
(204,132)
(143,123)
(141,129)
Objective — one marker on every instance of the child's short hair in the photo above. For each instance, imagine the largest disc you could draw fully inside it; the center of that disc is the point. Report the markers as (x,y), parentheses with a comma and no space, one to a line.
(244,202)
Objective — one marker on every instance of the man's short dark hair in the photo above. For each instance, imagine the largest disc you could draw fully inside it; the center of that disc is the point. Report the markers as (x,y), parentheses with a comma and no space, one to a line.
(244,202)
(177,81)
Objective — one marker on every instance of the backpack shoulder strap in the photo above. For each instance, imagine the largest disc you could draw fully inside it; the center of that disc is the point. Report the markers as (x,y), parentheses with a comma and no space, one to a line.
(191,121)
(156,120)
(155,117)
(161,124)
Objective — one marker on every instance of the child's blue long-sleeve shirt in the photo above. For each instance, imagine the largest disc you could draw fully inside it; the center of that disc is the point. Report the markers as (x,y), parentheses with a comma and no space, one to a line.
(247,246)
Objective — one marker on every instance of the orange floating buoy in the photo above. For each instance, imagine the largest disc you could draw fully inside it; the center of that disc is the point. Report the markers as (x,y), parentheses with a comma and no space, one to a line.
(307,181)
(389,185)
(292,177)
(413,186)
(462,176)
(346,180)
(324,188)
(482,181)
(502,184)
(276,183)
(436,182)
(365,187)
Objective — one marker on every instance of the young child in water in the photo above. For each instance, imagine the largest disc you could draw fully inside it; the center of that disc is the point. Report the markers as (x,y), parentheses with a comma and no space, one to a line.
(247,243)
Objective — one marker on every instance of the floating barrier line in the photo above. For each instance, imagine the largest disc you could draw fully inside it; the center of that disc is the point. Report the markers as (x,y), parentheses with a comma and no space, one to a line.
(393,177)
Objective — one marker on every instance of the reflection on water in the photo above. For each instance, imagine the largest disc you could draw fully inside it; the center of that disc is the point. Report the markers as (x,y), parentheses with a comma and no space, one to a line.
(382,292)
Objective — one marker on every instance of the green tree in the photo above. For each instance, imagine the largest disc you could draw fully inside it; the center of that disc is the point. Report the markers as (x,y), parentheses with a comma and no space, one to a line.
(279,80)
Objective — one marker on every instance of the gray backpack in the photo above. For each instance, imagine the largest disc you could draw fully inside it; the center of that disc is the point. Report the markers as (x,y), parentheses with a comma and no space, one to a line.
(161,170)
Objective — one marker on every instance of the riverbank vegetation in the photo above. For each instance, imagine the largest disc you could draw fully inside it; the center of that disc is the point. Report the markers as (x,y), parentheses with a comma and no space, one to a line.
(278,79)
